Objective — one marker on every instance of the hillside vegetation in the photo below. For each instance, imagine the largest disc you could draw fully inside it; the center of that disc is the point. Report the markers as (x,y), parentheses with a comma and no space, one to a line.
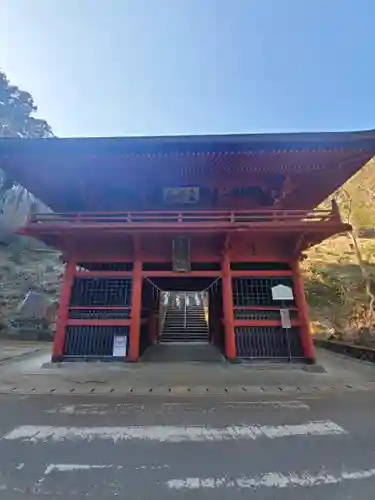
(335,276)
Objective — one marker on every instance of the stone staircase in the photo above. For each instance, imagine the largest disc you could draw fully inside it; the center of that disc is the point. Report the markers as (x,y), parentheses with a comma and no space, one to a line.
(185,326)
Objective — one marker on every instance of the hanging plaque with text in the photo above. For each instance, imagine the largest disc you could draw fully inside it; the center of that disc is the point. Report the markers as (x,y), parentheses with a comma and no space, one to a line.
(181,254)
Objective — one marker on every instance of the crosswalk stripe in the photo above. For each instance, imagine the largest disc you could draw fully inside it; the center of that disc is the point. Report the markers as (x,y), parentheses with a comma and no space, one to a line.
(270,480)
(73,467)
(123,408)
(64,468)
(170,433)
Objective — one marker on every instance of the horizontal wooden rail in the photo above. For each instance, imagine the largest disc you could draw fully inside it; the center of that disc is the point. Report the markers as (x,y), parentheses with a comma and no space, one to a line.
(262,322)
(98,322)
(101,308)
(262,308)
(183,217)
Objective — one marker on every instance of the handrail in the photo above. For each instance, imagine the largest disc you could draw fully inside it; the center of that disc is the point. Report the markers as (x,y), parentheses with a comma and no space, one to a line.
(194,212)
(183,217)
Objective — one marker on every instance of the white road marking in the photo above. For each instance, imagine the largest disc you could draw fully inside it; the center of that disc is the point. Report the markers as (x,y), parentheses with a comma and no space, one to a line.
(170,433)
(269,480)
(74,467)
(86,467)
(123,408)
(96,409)
(233,405)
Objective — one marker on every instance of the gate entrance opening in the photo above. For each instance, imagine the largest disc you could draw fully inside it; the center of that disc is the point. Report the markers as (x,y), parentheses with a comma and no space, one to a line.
(184,318)
(186,327)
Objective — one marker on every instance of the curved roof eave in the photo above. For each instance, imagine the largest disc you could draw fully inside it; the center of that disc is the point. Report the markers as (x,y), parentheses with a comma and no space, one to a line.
(59,170)
(182,144)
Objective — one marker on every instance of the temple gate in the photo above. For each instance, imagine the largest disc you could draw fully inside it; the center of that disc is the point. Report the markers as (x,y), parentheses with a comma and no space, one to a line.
(225,216)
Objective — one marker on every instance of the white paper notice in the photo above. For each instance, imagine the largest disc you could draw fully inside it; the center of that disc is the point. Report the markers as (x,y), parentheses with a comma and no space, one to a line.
(119,345)
(285,318)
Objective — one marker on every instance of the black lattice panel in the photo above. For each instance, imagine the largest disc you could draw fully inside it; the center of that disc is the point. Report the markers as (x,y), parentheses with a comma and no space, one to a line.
(92,341)
(256,291)
(259,315)
(268,342)
(98,313)
(101,292)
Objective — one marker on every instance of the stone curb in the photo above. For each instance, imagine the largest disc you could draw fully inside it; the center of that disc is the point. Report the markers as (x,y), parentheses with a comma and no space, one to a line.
(20,355)
(183,391)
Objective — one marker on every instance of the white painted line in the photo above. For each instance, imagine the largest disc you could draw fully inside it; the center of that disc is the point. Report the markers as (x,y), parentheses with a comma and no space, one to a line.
(95,409)
(269,480)
(87,467)
(74,467)
(170,433)
(124,408)
(233,405)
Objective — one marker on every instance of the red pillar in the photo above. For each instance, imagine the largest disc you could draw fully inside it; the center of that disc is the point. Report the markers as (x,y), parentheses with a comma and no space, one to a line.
(136,304)
(63,315)
(303,312)
(230,345)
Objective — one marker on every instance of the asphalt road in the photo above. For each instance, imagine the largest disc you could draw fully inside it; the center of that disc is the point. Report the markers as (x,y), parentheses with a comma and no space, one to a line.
(148,448)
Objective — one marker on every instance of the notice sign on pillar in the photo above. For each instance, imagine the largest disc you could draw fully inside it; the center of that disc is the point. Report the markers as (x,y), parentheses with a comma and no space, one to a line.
(285,318)
(119,345)
(282,292)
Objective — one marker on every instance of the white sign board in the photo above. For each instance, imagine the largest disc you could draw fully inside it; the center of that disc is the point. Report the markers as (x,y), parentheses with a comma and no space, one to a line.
(285,318)
(282,292)
(119,345)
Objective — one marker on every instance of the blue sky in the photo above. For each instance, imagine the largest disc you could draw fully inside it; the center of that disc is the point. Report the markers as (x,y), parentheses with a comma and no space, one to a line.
(156,67)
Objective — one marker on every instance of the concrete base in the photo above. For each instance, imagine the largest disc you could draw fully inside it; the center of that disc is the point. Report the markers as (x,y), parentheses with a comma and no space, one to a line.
(176,352)
(89,359)
(36,375)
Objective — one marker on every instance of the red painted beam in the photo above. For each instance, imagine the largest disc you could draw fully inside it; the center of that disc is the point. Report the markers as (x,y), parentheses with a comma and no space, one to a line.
(262,322)
(136,309)
(98,322)
(260,273)
(62,320)
(227,293)
(306,338)
(84,308)
(252,308)
(103,274)
(190,274)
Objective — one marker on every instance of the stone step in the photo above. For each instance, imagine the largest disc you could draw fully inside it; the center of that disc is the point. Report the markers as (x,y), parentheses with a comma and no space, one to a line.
(178,326)
(182,318)
(184,340)
(185,330)
(180,335)
(188,325)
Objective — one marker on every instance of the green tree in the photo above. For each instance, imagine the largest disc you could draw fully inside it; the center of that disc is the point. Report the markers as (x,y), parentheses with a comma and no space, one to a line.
(17,108)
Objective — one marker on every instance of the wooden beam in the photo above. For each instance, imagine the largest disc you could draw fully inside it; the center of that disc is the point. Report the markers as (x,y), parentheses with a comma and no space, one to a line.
(62,320)
(230,344)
